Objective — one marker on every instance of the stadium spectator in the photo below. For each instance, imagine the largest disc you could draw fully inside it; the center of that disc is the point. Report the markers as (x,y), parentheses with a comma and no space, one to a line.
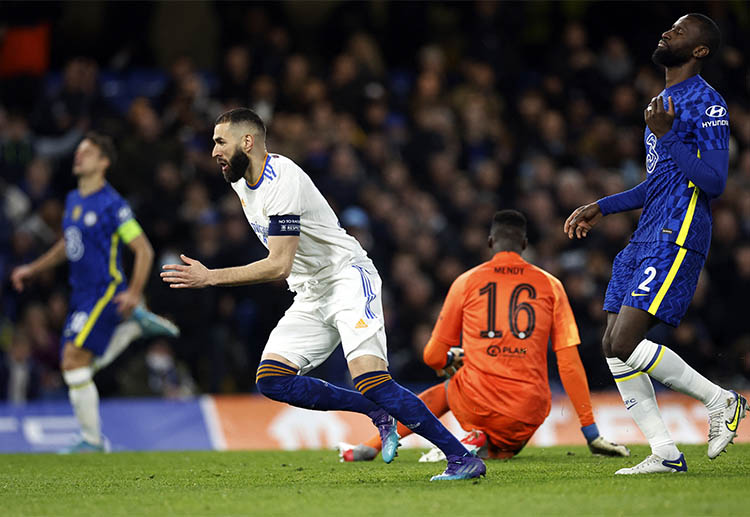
(20,376)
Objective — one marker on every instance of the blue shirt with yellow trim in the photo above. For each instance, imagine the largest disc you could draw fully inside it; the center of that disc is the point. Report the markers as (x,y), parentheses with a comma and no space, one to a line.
(93,228)
(674,209)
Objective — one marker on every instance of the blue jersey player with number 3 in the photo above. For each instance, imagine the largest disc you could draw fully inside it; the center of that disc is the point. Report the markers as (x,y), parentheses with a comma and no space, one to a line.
(105,314)
(654,277)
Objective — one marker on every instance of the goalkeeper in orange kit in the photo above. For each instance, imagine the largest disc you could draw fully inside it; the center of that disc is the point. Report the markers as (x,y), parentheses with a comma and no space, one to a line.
(504,312)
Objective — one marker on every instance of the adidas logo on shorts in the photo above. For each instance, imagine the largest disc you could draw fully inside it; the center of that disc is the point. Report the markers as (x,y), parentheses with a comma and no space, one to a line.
(360,324)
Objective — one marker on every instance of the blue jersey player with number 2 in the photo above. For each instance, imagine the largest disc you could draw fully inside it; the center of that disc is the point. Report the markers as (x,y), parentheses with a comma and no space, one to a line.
(654,277)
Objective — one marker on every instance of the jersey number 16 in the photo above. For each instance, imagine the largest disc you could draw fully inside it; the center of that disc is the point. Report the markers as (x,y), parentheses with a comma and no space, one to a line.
(514,310)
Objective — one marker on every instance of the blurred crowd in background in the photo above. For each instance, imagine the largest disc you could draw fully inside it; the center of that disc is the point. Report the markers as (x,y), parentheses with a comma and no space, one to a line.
(417,121)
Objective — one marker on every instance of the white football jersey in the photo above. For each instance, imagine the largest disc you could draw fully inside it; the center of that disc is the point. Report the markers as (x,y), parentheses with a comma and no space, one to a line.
(284,189)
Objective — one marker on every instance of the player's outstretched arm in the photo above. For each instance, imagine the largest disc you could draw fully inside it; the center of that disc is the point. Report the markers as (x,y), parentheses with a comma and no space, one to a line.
(573,377)
(276,266)
(22,274)
(585,217)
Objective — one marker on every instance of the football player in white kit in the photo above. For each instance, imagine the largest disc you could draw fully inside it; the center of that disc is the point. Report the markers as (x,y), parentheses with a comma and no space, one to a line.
(338,297)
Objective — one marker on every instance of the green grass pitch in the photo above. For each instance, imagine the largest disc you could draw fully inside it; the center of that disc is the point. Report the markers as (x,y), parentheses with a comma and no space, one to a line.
(553,481)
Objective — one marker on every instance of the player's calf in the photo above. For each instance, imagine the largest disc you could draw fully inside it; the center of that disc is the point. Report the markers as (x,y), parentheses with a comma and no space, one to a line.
(280,382)
(401,403)
(84,397)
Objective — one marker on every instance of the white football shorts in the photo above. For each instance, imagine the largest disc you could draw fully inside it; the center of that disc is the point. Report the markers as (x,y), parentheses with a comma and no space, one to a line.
(346,308)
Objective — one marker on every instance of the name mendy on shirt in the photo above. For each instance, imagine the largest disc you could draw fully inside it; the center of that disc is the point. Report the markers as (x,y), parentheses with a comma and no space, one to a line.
(509,270)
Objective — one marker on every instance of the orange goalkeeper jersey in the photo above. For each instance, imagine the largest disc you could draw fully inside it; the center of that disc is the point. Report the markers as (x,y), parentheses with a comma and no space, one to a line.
(504,312)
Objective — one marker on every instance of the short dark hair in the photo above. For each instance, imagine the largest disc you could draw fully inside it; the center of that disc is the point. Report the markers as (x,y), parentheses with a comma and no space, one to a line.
(105,144)
(509,224)
(709,34)
(242,115)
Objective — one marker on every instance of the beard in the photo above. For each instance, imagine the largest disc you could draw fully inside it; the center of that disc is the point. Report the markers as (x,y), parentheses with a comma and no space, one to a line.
(236,167)
(670,58)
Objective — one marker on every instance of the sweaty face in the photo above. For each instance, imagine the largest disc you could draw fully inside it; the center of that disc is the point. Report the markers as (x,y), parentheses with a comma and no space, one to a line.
(676,45)
(235,168)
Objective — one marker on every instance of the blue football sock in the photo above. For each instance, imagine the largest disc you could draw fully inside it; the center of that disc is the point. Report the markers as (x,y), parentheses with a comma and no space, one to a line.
(407,409)
(280,382)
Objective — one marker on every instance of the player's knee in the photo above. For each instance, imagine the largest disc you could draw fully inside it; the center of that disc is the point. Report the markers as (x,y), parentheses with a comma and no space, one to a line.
(74,357)
(273,378)
(78,377)
(273,386)
(621,346)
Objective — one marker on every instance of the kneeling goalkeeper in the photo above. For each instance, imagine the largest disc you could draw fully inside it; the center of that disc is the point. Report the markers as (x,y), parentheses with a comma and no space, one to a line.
(504,312)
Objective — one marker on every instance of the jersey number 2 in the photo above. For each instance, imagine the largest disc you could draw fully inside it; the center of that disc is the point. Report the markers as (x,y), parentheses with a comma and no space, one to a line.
(514,310)
(650,273)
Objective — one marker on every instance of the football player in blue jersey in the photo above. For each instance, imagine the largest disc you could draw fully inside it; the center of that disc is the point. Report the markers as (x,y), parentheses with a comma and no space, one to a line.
(654,277)
(105,311)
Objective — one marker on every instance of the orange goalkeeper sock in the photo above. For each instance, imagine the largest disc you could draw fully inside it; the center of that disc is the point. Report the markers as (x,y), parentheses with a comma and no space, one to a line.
(435,400)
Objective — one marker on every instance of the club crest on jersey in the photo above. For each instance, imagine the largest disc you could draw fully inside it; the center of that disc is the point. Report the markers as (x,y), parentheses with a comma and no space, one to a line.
(651,157)
(77,210)
(124,213)
(90,218)
(716,111)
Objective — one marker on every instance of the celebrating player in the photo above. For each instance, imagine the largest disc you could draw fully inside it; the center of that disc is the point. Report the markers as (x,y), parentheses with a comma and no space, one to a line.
(505,312)
(654,277)
(337,295)
(98,326)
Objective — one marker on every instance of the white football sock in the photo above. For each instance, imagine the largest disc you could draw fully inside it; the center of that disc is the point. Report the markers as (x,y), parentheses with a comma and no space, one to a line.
(124,334)
(85,400)
(665,366)
(640,400)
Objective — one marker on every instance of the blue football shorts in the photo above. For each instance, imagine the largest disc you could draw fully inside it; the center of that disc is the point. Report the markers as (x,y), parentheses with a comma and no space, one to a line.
(657,277)
(92,319)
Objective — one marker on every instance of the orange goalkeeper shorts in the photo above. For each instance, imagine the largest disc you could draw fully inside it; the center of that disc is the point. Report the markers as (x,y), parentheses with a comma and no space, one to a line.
(507,435)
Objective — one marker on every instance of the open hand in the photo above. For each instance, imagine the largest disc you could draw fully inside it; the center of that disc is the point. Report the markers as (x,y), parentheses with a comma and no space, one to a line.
(659,120)
(582,220)
(191,274)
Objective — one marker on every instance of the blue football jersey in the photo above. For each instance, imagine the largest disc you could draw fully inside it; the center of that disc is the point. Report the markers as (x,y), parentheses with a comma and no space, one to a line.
(676,210)
(93,228)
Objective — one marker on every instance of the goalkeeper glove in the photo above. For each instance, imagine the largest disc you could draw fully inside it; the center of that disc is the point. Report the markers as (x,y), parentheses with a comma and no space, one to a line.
(454,361)
(600,446)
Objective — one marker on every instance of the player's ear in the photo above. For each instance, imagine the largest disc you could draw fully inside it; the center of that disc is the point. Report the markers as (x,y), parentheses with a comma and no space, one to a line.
(525,243)
(701,52)
(490,241)
(248,141)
